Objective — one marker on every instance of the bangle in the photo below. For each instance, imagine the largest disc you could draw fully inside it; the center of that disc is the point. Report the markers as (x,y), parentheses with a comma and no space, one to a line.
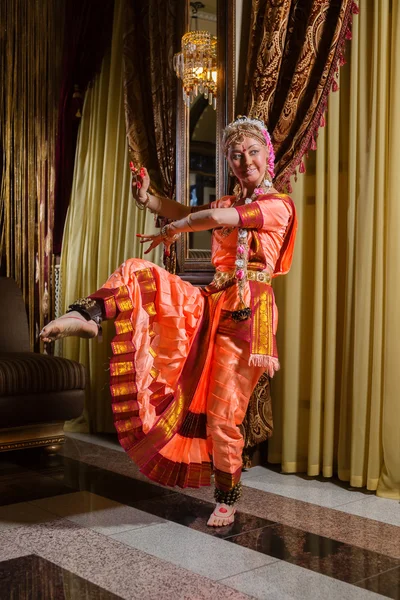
(167,236)
(143,205)
(189,222)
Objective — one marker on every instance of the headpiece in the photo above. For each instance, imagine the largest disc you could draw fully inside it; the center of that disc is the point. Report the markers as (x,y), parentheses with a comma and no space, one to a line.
(242,127)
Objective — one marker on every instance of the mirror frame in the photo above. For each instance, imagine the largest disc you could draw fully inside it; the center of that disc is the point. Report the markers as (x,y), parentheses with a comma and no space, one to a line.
(198,270)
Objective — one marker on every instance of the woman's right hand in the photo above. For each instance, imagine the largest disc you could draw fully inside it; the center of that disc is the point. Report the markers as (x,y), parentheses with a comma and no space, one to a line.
(140,183)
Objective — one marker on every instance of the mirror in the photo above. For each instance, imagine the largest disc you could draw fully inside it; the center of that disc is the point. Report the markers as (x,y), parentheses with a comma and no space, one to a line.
(202,137)
(201,169)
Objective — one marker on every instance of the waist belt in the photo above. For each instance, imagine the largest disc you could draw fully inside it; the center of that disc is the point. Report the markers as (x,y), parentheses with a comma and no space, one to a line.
(225,278)
(263,350)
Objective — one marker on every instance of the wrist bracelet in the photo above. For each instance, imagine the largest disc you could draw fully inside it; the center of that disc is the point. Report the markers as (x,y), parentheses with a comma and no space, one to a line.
(142,205)
(189,222)
(167,237)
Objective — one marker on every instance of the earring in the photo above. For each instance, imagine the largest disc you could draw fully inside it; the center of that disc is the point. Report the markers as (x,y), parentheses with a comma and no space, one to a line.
(267,182)
(231,173)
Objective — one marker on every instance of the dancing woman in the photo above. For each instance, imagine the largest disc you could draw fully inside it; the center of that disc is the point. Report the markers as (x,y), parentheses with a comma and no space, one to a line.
(186,360)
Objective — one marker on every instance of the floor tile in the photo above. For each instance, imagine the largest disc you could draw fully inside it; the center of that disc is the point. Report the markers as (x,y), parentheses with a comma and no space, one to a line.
(85,477)
(98,439)
(259,472)
(156,579)
(72,547)
(317,553)
(324,493)
(115,460)
(34,577)
(282,580)
(194,513)
(199,553)
(23,513)
(10,550)
(352,529)
(114,566)
(31,459)
(30,485)
(95,512)
(258,510)
(387,584)
(379,509)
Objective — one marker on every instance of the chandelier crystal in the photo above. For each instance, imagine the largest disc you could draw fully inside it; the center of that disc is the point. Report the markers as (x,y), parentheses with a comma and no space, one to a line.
(196,65)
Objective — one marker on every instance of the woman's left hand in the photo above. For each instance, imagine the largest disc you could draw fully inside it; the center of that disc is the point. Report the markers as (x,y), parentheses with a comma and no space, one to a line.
(155,240)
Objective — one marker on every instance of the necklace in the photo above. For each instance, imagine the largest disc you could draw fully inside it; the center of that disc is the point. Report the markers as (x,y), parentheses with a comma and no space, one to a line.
(242,254)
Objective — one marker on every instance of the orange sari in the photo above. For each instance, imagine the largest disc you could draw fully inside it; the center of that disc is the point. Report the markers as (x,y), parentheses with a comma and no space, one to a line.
(181,371)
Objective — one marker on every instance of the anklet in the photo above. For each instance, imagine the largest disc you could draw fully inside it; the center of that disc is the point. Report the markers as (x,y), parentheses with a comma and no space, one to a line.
(229,497)
(90,310)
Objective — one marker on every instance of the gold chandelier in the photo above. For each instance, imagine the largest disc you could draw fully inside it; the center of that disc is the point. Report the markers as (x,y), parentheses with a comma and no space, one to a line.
(196,65)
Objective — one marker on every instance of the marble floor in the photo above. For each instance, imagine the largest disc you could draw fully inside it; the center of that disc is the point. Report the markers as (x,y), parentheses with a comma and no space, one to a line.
(85,524)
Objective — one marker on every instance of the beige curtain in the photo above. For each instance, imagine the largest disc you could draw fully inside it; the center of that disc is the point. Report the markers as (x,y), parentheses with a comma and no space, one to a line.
(102,222)
(336,399)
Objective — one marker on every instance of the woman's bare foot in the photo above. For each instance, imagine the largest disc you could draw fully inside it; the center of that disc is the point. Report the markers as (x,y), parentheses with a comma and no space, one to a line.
(223,515)
(72,323)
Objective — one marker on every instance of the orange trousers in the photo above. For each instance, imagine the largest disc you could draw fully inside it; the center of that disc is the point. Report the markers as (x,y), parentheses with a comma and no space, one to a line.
(232,382)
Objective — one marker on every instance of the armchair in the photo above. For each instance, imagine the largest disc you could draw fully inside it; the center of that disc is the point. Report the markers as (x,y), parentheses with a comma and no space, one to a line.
(38,392)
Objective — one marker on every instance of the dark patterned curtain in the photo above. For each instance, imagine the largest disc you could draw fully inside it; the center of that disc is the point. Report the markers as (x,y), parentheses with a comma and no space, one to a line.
(295,50)
(30,73)
(152,35)
(87,35)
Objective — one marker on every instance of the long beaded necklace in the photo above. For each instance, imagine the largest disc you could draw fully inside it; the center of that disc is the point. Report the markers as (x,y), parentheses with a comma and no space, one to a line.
(242,255)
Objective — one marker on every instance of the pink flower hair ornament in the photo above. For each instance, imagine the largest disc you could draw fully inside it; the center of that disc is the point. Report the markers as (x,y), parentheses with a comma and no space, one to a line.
(271,154)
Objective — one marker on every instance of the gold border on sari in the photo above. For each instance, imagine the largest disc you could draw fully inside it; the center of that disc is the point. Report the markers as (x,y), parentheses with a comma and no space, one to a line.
(262,306)
(226,481)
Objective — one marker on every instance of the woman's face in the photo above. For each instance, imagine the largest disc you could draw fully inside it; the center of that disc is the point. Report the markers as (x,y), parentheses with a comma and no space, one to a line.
(248,161)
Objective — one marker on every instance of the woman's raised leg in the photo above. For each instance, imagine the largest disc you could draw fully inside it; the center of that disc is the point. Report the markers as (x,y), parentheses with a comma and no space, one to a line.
(74,323)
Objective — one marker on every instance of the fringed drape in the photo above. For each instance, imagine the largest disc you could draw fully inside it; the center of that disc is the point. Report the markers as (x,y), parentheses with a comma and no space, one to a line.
(294,53)
(295,50)
(30,59)
(87,34)
(152,35)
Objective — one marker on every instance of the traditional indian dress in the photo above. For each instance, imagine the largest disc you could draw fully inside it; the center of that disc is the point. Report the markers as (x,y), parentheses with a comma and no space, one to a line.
(183,370)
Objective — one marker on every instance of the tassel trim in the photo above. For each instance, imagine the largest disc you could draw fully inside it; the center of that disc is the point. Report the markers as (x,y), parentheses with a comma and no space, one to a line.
(270,363)
(282,179)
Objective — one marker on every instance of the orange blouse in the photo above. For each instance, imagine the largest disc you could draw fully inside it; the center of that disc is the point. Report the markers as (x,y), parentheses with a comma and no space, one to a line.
(271,221)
